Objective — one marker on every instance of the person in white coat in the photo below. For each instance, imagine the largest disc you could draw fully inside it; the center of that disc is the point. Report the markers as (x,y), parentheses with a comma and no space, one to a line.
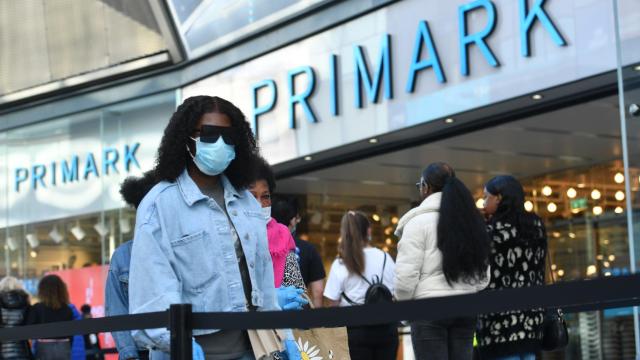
(443,250)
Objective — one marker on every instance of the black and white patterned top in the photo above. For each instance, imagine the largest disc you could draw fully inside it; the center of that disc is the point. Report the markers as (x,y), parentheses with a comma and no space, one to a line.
(292,274)
(515,263)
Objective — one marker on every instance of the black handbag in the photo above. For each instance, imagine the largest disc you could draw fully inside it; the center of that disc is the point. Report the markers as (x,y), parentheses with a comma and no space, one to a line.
(555,335)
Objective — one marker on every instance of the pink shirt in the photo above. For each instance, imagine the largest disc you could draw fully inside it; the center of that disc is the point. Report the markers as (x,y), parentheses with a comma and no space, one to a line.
(280,244)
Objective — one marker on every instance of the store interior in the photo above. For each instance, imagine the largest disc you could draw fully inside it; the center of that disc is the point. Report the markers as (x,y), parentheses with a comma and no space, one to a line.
(570,164)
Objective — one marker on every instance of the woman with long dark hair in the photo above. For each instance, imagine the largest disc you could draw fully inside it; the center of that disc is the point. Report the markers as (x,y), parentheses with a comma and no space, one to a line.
(443,250)
(358,267)
(200,236)
(518,260)
(53,307)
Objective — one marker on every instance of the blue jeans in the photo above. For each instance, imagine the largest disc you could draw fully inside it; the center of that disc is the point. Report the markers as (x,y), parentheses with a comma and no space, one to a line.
(523,356)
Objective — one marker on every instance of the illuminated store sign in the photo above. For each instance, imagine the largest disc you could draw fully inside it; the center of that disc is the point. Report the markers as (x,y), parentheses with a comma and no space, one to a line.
(76,168)
(368,84)
(411,63)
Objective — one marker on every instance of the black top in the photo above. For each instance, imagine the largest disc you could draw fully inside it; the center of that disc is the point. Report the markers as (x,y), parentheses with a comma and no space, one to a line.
(41,314)
(515,262)
(14,306)
(310,262)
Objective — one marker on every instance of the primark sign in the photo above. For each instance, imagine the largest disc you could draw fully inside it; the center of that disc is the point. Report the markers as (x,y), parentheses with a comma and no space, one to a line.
(76,168)
(371,78)
(410,63)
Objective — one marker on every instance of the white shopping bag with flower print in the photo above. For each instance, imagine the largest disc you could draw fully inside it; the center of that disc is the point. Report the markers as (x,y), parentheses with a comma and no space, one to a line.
(323,343)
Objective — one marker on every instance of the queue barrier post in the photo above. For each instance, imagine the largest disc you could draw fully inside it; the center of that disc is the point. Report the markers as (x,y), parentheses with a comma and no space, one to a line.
(180,327)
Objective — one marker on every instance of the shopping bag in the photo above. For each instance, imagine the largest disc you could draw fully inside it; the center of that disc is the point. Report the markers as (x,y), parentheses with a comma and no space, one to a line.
(323,343)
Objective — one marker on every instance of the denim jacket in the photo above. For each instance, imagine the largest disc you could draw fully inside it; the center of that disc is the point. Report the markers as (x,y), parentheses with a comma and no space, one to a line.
(183,252)
(117,298)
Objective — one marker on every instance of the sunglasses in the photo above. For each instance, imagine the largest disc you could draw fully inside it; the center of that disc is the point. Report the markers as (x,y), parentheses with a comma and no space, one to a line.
(211,134)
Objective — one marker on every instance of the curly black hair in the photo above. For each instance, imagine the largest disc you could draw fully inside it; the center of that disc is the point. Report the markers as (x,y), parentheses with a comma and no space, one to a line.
(134,189)
(173,157)
(263,171)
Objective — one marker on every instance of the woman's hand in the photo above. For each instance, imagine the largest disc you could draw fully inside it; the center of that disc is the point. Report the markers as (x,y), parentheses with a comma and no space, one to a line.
(291,350)
(290,298)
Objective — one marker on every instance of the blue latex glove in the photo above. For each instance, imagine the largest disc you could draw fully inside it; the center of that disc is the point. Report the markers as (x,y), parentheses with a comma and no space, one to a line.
(291,351)
(197,352)
(290,298)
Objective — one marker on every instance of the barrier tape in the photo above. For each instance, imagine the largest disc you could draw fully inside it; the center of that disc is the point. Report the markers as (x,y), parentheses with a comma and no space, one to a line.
(578,296)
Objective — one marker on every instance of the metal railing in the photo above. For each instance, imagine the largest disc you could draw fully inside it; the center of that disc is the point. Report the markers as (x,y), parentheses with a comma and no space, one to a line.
(571,297)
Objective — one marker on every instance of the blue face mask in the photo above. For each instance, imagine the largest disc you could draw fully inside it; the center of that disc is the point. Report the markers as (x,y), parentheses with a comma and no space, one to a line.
(213,158)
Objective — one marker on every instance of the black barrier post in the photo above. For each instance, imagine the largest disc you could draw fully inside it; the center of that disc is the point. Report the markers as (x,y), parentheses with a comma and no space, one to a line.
(181,329)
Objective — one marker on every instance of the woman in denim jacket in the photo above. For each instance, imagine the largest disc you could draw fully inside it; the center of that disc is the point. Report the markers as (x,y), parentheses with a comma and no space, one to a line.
(200,237)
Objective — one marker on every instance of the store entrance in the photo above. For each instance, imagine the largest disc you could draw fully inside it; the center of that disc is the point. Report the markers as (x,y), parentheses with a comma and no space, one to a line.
(570,163)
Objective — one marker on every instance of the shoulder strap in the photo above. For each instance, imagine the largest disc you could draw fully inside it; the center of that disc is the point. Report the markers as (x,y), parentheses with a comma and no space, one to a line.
(384,264)
(351,302)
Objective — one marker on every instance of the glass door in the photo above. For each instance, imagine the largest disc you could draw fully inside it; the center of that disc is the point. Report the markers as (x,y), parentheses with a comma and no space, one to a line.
(627,13)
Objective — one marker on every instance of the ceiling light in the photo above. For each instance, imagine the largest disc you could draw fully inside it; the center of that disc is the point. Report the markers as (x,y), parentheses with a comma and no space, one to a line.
(537,96)
(595,194)
(619,195)
(554,266)
(125,225)
(308,158)
(480,203)
(55,235)
(637,68)
(556,234)
(33,241)
(600,257)
(606,241)
(34,254)
(388,241)
(561,273)
(552,207)
(375,217)
(373,141)
(546,191)
(572,193)
(597,210)
(316,218)
(591,270)
(618,210)
(388,231)
(572,235)
(618,178)
(612,258)
(582,186)
(11,244)
(101,229)
(449,120)
(385,249)
(77,232)
(394,220)
(606,264)
(607,273)
(528,205)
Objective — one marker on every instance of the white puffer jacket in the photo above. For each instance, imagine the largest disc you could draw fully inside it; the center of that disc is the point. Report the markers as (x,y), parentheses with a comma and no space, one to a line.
(419,263)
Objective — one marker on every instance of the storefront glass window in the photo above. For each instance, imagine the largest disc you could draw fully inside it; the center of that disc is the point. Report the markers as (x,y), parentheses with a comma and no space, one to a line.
(61,208)
(628,71)
(570,164)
